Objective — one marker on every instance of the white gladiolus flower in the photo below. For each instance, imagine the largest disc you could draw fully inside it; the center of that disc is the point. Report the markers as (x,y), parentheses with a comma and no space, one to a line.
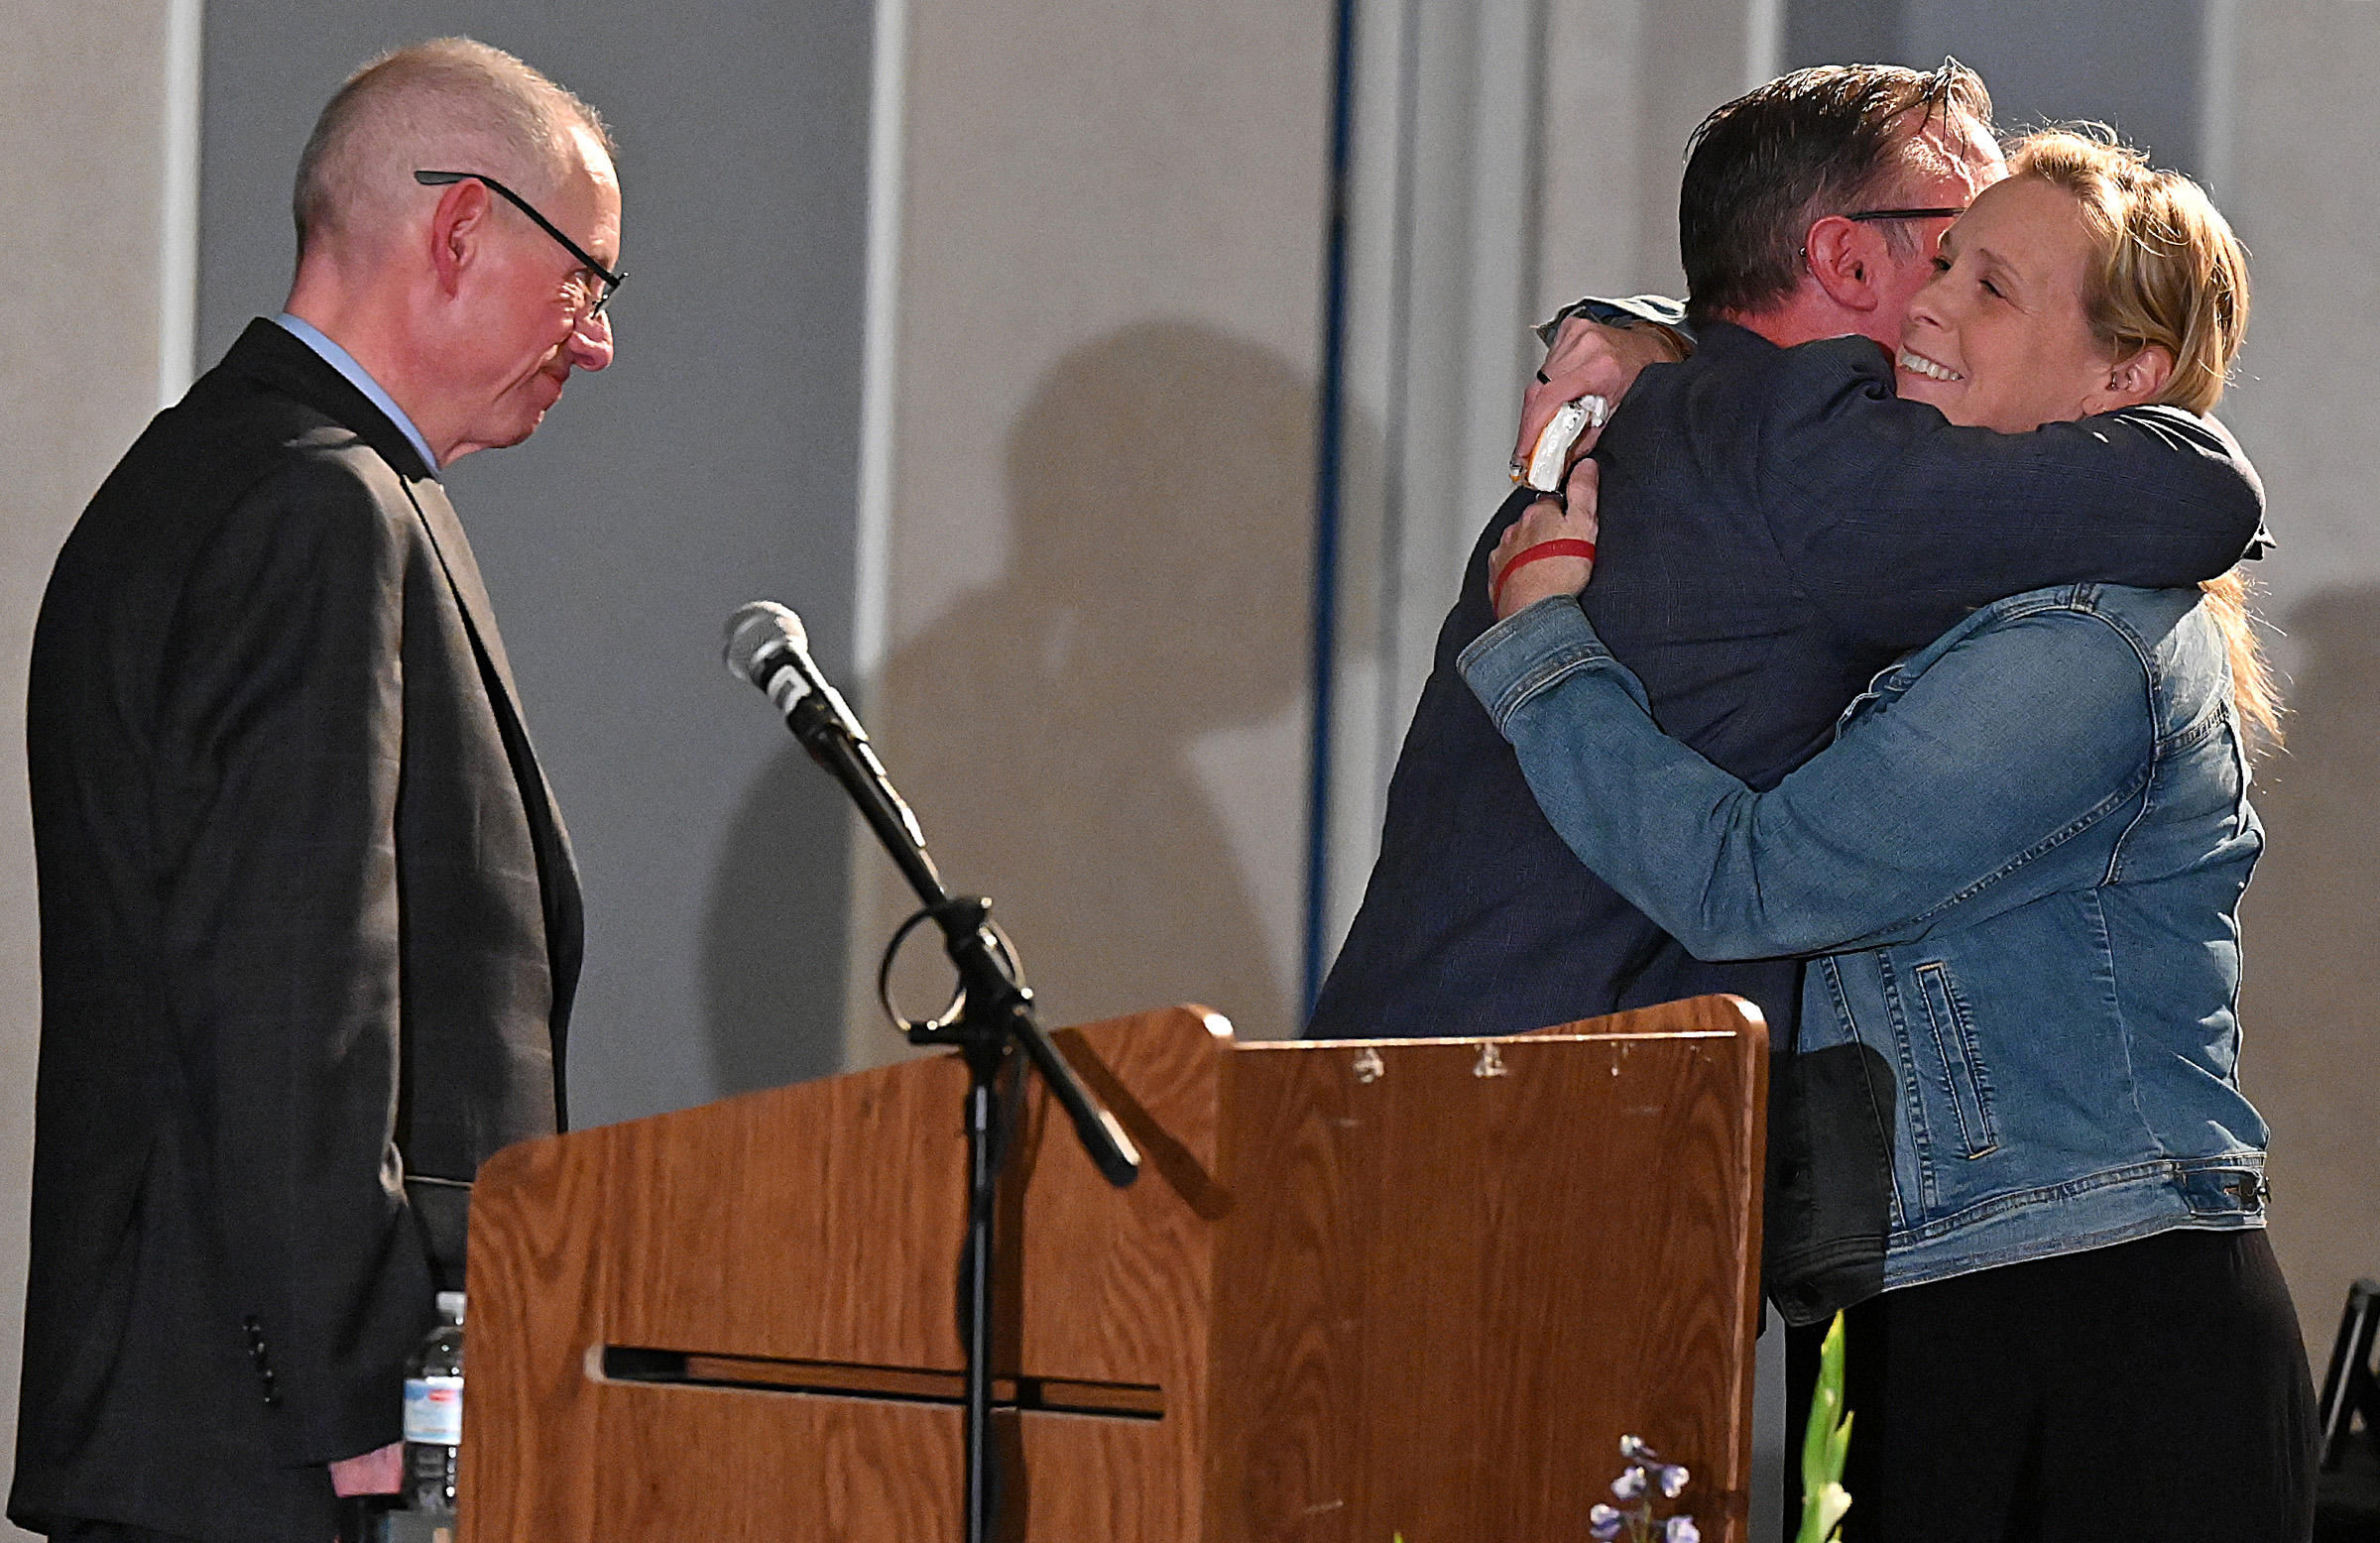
(1832,1502)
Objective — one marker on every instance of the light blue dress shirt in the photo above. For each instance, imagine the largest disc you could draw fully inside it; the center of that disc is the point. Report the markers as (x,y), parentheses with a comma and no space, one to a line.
(361,379)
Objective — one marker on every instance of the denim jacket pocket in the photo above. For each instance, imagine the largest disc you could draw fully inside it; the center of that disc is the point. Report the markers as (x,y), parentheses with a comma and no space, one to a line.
(1961,1079)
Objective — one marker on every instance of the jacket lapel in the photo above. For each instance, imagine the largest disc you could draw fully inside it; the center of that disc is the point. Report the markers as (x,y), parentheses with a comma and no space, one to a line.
(462,574)
(565,924)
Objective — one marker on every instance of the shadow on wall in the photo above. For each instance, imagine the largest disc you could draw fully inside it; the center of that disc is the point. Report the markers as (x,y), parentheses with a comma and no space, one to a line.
(773,955)
(2311,1004)
(1160,485)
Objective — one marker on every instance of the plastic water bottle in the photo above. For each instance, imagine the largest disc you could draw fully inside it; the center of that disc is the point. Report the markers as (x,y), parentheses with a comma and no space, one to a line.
(434,1411)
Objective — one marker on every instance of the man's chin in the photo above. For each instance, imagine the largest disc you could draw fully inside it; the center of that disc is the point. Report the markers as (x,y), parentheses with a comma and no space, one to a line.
(533,416)
(497,438)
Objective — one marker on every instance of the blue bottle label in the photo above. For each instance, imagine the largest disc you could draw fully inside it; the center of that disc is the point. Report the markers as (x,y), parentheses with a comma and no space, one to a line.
(434,1410)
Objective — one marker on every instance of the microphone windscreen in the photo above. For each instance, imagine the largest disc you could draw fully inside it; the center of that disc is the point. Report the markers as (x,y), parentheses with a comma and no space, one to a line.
(753,627)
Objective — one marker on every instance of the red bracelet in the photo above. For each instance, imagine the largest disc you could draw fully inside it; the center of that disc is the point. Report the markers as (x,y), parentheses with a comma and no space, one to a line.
(1528,554)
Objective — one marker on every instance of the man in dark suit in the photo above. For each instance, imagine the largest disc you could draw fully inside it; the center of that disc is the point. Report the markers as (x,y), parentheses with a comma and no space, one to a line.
(1811,209)
(309,920)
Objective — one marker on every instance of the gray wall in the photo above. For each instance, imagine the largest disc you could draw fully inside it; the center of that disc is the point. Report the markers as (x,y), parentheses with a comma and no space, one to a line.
(2134,63)
(1101,499)
(715,461)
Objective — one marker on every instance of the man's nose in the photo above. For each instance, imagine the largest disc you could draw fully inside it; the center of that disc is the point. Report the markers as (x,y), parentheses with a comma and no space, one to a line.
(591,346)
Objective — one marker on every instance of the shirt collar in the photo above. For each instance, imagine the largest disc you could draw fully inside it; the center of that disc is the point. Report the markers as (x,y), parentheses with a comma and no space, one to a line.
(361,379)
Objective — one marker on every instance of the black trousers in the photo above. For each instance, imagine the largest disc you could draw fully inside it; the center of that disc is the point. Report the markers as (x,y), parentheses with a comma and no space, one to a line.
(2149,1392)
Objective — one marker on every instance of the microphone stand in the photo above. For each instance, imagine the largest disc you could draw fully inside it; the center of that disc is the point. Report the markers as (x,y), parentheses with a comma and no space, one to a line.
(993,1012)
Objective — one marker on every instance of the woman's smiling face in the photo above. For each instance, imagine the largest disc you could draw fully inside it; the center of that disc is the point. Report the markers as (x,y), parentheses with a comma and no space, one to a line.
(1998,337)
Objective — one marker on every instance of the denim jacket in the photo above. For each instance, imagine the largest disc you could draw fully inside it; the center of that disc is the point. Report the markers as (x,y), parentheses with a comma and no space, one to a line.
(2020,860)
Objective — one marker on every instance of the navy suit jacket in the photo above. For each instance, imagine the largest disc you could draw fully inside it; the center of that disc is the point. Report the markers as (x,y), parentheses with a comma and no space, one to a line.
(1777,526)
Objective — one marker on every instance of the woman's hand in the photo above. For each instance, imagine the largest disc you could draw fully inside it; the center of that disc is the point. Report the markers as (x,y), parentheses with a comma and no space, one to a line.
(1549,550)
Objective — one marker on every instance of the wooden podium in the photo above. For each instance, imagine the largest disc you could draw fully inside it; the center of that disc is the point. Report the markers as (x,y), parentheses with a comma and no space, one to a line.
(1361,1288)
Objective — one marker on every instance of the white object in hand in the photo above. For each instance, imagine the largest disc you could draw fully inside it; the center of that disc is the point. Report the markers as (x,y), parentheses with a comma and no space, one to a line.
(1550,458)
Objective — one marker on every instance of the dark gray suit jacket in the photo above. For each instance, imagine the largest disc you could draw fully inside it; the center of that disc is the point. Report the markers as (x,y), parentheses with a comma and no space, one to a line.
(309,933)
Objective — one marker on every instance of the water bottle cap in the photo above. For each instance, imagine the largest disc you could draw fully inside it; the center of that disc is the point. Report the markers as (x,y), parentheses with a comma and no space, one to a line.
(450,1304)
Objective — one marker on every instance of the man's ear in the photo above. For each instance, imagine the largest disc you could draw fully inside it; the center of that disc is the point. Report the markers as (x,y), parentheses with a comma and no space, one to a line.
(2141,377)
(455,232)
(1845,257)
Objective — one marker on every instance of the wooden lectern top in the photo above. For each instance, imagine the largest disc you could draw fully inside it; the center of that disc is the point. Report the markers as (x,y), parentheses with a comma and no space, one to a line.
(1361,1288)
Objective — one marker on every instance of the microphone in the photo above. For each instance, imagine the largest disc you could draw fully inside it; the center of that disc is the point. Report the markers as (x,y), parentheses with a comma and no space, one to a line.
(768,646)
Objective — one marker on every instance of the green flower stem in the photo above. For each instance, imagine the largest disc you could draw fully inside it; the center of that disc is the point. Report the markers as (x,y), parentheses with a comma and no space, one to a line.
(1824,1444)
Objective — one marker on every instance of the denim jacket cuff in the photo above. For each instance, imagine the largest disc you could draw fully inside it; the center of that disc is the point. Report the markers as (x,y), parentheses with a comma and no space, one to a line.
(1529,652)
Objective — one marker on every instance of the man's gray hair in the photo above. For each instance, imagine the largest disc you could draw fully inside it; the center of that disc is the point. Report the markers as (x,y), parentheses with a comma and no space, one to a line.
(452,104)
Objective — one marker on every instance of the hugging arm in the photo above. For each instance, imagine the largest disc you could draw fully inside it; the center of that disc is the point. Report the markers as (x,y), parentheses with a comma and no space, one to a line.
(1958,793)
(1901,522)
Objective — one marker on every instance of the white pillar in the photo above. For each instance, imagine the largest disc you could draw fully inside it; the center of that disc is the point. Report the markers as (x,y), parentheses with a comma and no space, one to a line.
(97,106)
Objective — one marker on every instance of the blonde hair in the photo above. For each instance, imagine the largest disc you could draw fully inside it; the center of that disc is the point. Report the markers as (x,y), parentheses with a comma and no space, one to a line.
(2169,275)
(449,99)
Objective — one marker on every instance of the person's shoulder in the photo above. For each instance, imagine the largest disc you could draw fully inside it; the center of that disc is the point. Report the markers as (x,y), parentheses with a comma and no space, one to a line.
(2071,625)
(2168,627)
(2080,606)
(228,442)
(230,508)
(1730,380)
(1807,412)
(1851,355)
(279,451)
(2174,427)
(1761,382)
(2151,610)
(322,490)
(1825,374)
(253,481)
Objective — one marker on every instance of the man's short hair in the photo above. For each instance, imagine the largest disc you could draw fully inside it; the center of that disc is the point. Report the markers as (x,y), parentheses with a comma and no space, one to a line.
(1761,170)
(452,101)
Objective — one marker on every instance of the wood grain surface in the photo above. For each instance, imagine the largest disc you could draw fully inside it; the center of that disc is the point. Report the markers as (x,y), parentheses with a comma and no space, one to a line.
(1344,1301)
(1476,1273)
(821,1226)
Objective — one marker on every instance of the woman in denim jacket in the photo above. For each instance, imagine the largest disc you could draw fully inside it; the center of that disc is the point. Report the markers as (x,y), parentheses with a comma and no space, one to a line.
(2019,867)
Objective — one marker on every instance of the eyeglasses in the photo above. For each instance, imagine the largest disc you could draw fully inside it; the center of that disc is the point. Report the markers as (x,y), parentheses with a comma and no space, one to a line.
(610,280)
(1866,216)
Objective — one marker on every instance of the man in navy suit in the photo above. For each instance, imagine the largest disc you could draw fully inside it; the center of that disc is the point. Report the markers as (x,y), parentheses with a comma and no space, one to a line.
(1811,209)
(310,921)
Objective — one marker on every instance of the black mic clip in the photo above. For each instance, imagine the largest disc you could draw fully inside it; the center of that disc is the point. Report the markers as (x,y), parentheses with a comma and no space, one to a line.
(966,925)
